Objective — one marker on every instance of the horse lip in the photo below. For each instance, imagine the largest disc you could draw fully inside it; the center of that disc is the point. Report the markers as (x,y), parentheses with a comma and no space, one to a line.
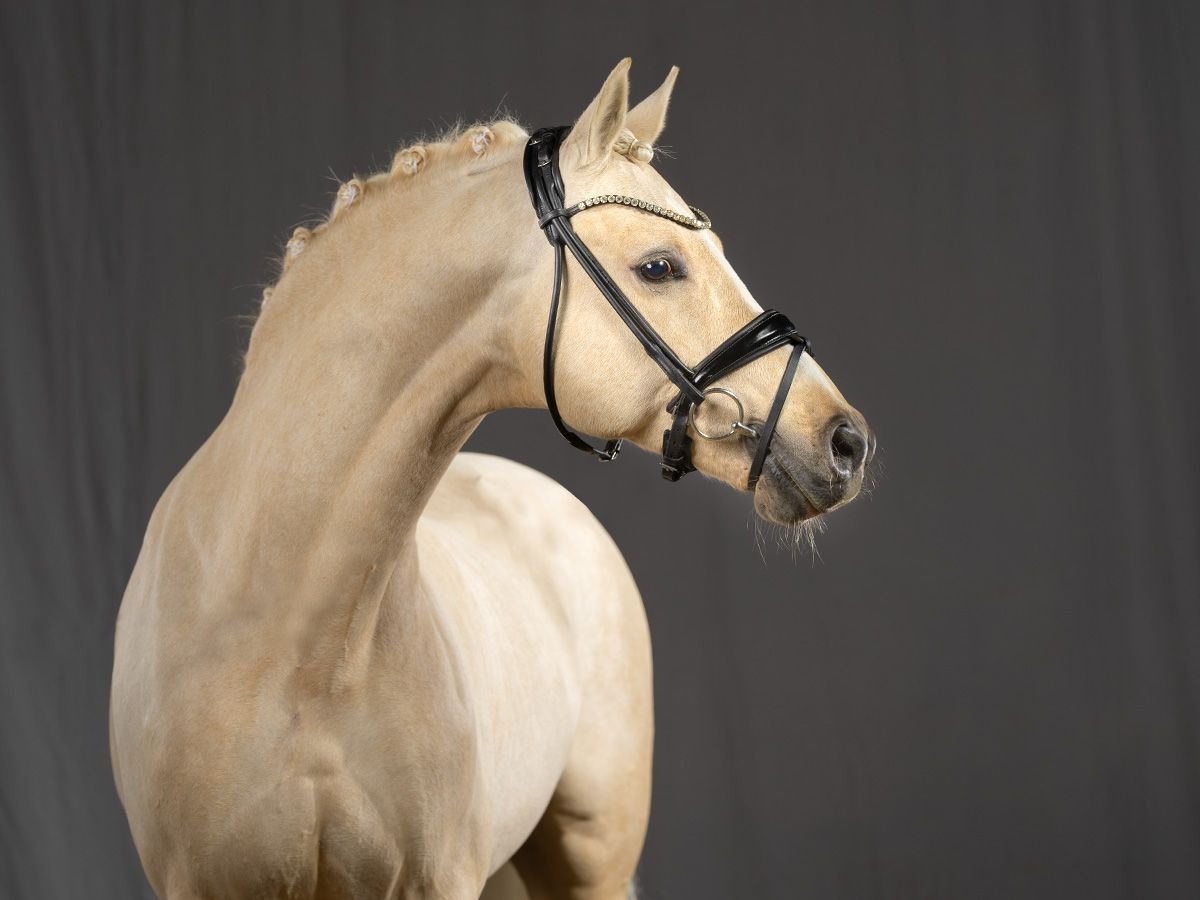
(773,462)
(811,507)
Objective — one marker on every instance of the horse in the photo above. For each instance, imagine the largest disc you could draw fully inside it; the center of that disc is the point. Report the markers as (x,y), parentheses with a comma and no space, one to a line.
(353,661)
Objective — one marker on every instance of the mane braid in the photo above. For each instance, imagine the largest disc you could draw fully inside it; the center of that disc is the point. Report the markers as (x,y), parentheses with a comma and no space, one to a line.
(452,150)
(460,144)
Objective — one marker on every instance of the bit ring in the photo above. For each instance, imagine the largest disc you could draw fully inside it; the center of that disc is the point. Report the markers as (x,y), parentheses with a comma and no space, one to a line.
(738,424)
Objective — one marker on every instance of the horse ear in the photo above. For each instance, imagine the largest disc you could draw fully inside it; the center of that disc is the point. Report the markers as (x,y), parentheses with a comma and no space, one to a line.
(648,118)
(595,131)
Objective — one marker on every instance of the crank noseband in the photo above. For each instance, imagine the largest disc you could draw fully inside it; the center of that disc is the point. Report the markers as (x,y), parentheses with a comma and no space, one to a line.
(767,332)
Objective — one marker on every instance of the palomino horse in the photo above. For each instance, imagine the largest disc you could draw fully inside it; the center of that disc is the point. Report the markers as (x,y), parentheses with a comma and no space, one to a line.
(353,662)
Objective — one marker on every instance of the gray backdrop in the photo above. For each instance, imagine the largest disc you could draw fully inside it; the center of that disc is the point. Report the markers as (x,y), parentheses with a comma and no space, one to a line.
(985,215)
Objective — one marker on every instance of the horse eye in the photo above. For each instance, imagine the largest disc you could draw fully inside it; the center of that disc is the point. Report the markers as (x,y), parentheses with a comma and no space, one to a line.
(656,270)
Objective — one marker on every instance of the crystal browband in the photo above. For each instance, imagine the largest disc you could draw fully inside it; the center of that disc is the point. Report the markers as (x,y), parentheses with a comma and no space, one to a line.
(698,220)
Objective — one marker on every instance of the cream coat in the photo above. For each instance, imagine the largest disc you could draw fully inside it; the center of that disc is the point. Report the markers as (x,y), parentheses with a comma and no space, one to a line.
(354,662)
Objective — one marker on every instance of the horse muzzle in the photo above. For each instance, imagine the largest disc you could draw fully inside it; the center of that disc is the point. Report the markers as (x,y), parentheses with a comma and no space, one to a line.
(802,480)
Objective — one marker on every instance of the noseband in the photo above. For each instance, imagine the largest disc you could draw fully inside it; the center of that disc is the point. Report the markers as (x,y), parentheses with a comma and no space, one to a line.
(768,331)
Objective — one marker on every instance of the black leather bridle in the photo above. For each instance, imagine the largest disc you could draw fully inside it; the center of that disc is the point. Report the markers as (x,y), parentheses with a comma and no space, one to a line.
(767,332)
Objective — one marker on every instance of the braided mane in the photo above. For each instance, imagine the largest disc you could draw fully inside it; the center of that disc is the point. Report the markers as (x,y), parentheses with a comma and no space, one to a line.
(420,160)
(438,156)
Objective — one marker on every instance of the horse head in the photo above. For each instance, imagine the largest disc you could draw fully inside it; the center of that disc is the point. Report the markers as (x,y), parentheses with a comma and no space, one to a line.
(774,402)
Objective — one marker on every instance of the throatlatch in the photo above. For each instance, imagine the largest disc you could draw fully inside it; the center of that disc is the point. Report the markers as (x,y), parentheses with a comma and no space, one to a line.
(767,332)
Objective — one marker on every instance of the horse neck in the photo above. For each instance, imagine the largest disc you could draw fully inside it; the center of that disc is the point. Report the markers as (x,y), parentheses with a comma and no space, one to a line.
(382,347)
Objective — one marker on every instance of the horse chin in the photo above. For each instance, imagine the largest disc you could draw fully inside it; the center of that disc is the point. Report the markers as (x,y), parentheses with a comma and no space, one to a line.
(780,498)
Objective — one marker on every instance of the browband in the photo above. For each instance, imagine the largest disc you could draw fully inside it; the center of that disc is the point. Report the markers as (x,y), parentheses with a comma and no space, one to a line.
(767,332)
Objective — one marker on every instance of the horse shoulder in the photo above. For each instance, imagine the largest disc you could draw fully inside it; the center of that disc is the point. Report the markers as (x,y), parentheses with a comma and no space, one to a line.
(513,515)
(526,576)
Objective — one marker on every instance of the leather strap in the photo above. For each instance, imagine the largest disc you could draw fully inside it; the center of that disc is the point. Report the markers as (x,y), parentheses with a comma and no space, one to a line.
(609,451)
(768,430)
(758,337)
(543,178)
(766,332)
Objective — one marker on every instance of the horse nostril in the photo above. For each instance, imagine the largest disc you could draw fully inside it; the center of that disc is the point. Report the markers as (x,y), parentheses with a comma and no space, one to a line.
(847,450)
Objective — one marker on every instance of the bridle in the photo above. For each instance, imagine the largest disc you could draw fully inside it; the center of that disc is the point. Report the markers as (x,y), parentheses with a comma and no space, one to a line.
(767,332)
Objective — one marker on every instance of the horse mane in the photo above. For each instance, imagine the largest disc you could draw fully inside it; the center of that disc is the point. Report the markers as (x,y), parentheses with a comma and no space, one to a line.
(441,154)
(444,153)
